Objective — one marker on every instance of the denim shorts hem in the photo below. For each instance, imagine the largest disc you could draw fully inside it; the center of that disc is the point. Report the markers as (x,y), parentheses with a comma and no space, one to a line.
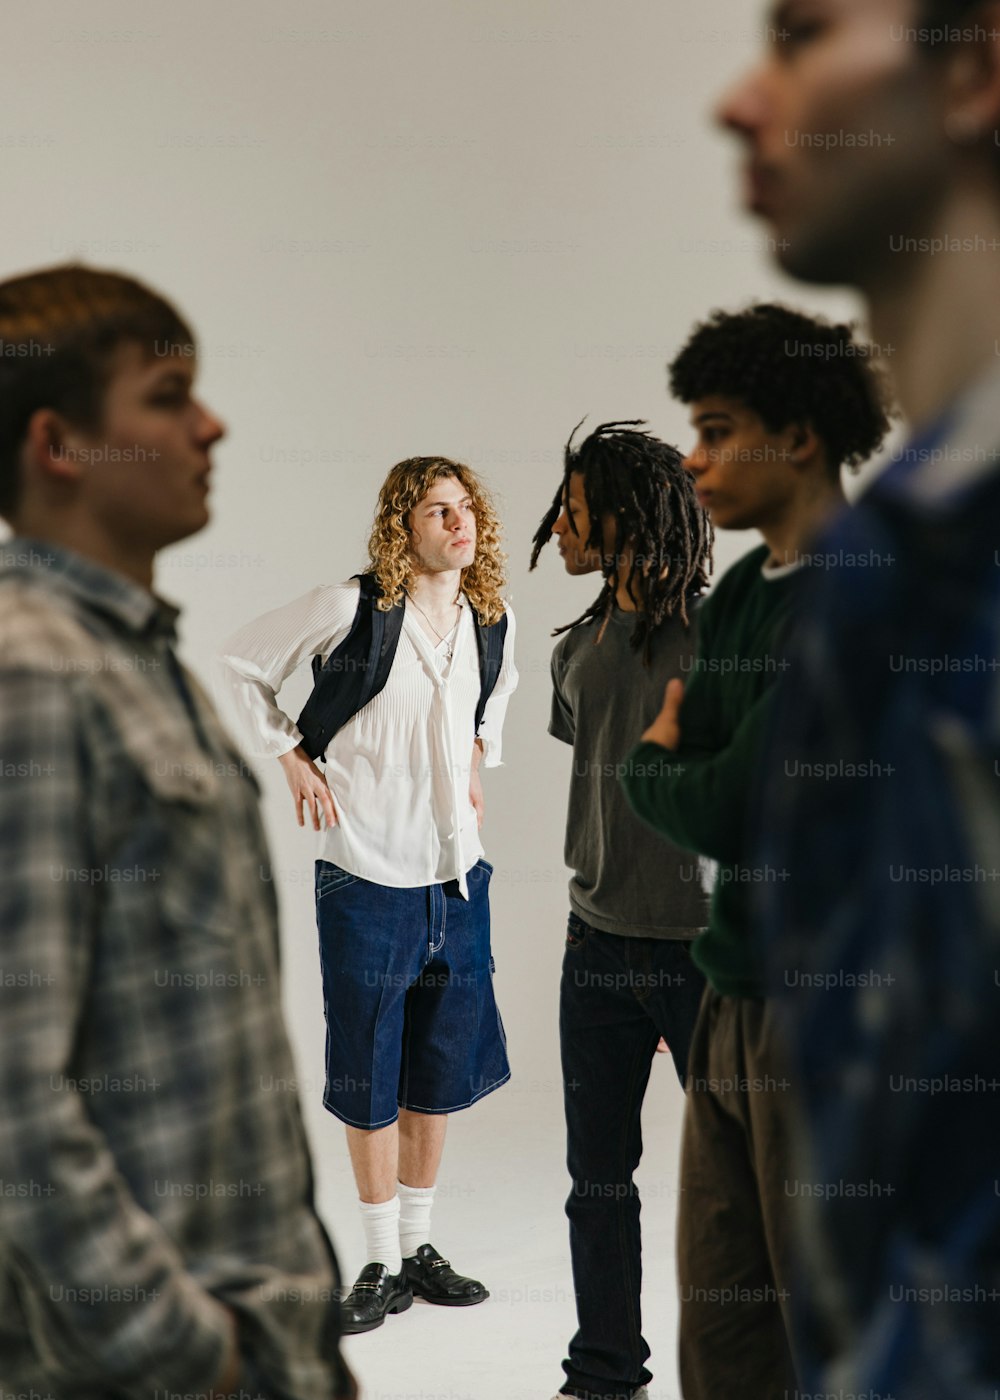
(351,1123)
(457,1107)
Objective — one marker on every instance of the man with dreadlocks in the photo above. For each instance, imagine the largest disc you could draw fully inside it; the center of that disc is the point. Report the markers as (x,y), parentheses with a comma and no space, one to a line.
(780,402)
(625,509)
(414,666)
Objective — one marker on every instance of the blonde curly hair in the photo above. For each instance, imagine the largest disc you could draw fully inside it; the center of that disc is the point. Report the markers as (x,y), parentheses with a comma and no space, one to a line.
(389,546)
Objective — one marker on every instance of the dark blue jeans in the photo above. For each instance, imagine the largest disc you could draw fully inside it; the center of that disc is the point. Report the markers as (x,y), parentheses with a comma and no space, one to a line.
(618,996)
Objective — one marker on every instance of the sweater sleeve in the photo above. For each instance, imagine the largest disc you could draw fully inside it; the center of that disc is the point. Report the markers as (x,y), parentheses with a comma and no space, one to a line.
(701,801)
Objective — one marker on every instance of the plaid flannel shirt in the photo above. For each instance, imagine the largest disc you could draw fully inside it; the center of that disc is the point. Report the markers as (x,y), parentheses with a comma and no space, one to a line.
(150,1173)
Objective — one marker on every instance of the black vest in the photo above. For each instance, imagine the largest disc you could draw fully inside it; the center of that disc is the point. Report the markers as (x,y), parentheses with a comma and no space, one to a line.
(359,667)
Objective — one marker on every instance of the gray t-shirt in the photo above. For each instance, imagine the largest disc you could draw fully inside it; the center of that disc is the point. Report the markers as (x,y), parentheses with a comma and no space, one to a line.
(627,879)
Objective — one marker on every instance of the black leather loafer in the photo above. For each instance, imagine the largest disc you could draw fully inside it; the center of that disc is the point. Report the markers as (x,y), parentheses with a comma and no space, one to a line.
(376,1293)
(433,1278)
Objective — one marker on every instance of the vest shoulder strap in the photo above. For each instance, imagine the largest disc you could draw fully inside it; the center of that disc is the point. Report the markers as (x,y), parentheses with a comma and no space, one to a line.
(357,670)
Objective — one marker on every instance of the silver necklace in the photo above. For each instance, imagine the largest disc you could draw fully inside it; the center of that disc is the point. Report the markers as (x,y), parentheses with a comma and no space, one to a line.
(449,652)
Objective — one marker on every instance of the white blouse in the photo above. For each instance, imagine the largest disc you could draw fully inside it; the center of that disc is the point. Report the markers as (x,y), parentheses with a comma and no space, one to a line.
(399,770)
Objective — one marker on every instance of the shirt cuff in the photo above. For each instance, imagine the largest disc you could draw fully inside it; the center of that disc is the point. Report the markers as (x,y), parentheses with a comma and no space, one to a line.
(284,743)
(492,749)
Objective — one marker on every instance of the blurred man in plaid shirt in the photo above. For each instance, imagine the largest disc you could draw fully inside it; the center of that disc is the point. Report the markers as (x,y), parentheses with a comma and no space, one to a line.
(157,1228)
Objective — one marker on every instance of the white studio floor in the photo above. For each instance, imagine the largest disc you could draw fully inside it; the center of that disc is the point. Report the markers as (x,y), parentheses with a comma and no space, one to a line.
(499,1217)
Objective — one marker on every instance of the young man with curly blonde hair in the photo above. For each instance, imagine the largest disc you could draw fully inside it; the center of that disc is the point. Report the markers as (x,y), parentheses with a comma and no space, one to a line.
(414,666)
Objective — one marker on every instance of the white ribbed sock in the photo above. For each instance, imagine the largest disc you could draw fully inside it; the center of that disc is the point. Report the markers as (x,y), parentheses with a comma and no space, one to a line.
(381,1226)
(415,1204)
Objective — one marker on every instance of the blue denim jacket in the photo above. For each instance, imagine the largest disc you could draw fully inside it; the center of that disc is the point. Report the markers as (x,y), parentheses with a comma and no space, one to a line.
(882,799)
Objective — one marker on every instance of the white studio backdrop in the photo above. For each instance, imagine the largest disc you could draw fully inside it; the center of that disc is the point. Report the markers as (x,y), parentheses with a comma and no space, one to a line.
(401,227)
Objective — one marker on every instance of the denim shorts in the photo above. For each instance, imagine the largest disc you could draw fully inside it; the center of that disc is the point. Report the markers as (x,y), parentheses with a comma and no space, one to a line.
(411,1019)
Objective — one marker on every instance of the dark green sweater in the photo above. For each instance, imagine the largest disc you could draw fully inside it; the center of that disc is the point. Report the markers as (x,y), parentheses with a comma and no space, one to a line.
(701,802)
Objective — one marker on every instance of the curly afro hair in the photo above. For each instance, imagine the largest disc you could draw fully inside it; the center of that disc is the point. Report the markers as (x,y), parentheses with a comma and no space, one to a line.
(790,368)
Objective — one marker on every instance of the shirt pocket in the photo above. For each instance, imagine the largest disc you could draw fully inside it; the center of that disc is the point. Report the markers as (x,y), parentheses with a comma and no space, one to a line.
(204,874)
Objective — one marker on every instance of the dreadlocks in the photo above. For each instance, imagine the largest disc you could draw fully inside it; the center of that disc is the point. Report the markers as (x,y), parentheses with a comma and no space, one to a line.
(641,482)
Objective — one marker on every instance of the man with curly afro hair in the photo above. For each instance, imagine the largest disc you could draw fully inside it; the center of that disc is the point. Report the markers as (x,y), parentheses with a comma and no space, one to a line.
(870,134)
(780,403)
(413,663)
